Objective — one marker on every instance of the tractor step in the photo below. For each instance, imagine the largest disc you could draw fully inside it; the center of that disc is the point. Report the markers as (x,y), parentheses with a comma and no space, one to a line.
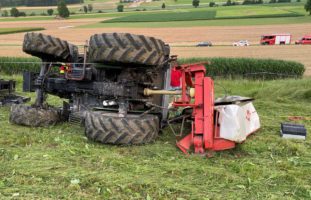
(79,73)
(76,73)
(76,119)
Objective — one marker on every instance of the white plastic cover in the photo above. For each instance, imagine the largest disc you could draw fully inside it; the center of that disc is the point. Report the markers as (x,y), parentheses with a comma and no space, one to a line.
(237,121)
(282,38)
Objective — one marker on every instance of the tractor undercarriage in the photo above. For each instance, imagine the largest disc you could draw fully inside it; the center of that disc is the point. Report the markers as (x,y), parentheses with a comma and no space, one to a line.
(118,90)
(7,95)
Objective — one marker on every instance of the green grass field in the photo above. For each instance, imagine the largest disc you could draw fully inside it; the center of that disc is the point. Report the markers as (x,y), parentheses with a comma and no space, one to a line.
(166,17)
(76,8)
(225,16)
(4,31)
(176,2)
(190,16)
(205,3)
(59,163)
(76,16)
(223,22)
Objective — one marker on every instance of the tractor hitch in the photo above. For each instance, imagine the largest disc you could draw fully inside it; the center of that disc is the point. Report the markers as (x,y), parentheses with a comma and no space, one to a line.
(216,125)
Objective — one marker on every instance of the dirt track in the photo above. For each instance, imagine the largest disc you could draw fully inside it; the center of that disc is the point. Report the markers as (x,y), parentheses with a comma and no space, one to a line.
(180,38)
(186,35)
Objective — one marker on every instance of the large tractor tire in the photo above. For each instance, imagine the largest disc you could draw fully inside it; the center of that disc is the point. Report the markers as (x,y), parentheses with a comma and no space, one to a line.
(109,128)
(34,117)
(126,48)
(49,48)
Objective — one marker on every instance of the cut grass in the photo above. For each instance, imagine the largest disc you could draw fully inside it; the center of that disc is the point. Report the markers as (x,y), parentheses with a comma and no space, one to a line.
(59,163)
(4,31)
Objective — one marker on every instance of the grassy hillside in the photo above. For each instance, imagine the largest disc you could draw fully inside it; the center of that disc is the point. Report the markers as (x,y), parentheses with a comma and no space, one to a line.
(4,31)
(223,22)
(58,162)
(222,11)
(230,15)
(166,17)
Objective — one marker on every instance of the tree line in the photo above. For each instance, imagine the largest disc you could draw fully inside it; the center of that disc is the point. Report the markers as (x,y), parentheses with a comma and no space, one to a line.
(13,3)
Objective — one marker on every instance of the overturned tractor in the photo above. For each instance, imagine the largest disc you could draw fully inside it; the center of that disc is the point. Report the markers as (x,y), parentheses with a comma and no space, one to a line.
(118,90)
(104,85)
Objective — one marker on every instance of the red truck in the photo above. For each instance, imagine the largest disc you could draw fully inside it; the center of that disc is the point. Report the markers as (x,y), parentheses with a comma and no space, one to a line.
(276,39)
(305,40)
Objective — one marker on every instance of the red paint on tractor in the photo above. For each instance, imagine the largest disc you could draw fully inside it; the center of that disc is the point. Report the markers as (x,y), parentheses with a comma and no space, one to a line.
(204,136)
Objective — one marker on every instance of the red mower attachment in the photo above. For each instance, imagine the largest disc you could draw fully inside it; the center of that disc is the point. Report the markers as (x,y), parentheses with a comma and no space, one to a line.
(210,122)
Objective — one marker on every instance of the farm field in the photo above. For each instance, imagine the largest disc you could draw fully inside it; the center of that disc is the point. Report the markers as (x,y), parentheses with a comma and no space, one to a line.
(181,35)
(59,163)
(5,31)
(76,8)
(200,23)
(294,53)
(221,12)
(191,14)
(182,40)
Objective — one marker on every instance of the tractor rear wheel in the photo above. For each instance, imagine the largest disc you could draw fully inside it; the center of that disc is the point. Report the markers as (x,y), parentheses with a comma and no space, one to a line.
(109,128)
(126,48)
(49,48)
(34,117)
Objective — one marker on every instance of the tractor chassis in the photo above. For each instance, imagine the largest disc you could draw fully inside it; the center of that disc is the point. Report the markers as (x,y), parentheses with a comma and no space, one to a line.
(7,96)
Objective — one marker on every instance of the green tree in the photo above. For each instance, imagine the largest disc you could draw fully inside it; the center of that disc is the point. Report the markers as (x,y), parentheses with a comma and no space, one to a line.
(212,4)
(22,14)
(5,13)
(50,12)
(229,3)
(163,6)
(196,3)
(308,6)
(90,7)
(62,9)
(14,12)
(120,8)
(85,9)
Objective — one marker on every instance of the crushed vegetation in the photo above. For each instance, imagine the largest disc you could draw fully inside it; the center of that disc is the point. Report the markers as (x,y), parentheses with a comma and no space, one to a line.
(59,162)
